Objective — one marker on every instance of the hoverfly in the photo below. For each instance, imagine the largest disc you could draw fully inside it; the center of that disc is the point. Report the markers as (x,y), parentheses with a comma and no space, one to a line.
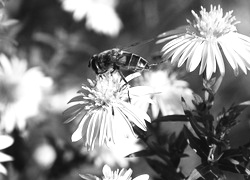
(116,59)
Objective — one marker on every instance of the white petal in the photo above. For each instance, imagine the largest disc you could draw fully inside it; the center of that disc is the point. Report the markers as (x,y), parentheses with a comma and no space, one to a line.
(155,108)
(210,61)
(77,135)
(3,169)
(103,127)
(219,59)
(5,157)
(239,47)
(6,141)
(132,76)
(203,58)
(174,44)
(142,177)
(174,32)
(91,129)
(178,52)
(6,64)
(134,115)
(168,38)
(109,129)
(244,37)
(195,57)
(186,53)
(122,128)
(127,174)
(107,172)
(229,57)
(237,59)
(134,110)
(141,90)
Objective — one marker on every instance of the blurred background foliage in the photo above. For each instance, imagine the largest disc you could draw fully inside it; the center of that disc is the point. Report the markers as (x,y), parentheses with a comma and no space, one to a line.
(50,37)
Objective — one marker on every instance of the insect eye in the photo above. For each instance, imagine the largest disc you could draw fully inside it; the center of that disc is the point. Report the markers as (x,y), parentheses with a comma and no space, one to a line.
(91,60)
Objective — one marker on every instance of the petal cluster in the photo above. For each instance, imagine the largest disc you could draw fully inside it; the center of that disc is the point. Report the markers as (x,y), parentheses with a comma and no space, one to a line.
(21,91)
(122,174)
(6,141)
(104,112)
(168,92)
(205,41)
(106,21)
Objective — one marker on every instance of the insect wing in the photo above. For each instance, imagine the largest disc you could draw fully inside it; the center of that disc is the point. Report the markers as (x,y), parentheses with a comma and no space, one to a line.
(132,61)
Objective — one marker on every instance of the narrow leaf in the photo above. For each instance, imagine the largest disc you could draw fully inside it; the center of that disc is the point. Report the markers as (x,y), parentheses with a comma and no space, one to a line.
(200,147)
(171,118)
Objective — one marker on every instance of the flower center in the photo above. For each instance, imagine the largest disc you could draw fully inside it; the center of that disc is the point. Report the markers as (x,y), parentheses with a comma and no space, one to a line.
(211,25)
(109,89)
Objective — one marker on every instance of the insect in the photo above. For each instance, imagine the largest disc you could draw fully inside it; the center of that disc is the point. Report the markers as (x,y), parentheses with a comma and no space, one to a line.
(116,59)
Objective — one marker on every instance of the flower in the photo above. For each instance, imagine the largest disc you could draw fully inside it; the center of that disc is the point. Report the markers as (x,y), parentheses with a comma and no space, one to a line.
(5,141)
(104,112)
(205,41)
(114,155)
(169,91)
(21,91)
(106,21)
(116,175)
(44,155)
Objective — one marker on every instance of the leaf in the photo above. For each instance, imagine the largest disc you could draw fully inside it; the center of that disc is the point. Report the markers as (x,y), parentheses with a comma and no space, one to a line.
(231,153)
(186,109)
(142,153)
(206,172)
(200,147)
(230,166)
(181,142)
(165,171)
(171,118)
(199,130)
(177,148)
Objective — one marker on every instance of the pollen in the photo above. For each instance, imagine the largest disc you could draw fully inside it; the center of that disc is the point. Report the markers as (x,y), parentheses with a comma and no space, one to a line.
(107,89)
(212,25)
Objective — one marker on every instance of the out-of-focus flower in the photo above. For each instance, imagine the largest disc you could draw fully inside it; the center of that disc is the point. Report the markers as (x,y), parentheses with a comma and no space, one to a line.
(104,112)
(21,91)
(115,155)
(205,41)
(100,14)
(169,91)
(5,141)
(45,155)
(115,175)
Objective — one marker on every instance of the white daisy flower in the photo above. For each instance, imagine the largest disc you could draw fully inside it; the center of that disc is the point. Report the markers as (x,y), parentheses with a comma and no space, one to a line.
(5,141)
(168,92)
(104,111)
(106,21)
(115,175)
(22,91)
(205,41)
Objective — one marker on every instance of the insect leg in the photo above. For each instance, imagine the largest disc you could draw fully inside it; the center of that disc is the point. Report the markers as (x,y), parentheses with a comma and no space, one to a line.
(126,82)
